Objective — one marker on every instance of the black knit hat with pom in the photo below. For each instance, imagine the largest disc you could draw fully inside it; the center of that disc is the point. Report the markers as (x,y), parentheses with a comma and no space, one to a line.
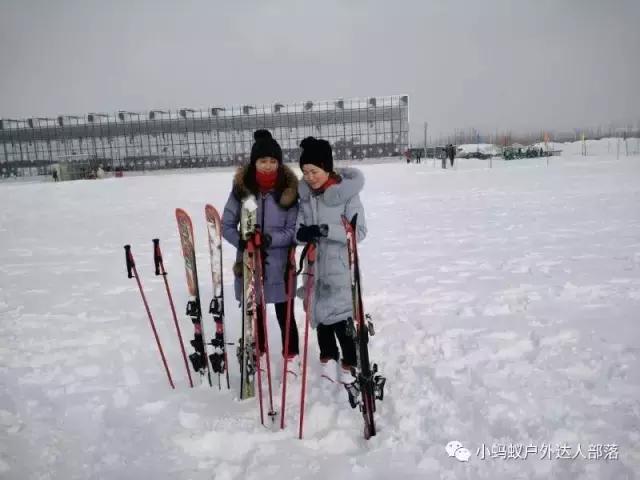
(265,146)
(316,152)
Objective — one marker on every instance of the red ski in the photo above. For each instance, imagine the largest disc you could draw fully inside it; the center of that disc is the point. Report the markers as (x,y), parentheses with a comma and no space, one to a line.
(199,357)
(369,386)
(218,358)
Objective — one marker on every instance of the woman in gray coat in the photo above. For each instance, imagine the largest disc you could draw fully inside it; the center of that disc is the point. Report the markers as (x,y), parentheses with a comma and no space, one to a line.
(325,197)
(275,187)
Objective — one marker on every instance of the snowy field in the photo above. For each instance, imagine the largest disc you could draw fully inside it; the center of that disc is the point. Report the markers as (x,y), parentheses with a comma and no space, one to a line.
(506,303)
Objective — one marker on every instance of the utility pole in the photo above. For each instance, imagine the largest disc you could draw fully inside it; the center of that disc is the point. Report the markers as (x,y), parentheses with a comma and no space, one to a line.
(425,140)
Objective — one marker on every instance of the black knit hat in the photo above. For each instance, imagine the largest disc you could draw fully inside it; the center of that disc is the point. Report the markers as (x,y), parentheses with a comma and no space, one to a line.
(265,146)
(316,152)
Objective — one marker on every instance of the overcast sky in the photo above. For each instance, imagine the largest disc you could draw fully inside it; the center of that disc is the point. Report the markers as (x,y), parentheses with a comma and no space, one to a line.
(490,64)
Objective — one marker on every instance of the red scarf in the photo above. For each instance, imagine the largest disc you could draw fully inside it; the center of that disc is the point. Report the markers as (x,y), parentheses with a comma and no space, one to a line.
(332,180)
(266,180)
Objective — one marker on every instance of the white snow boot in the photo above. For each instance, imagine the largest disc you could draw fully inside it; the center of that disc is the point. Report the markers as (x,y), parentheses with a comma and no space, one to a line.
(328,370)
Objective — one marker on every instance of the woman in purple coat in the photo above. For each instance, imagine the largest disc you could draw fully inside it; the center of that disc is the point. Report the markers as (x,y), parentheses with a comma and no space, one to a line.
(275,188)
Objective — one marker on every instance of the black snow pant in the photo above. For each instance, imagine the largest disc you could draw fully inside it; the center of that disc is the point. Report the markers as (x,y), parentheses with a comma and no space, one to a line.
(281,315)
(451,159)
(327,335)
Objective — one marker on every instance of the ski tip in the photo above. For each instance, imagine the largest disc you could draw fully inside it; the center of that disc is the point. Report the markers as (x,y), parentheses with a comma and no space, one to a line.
(182,216)
(212,213)
(250,203)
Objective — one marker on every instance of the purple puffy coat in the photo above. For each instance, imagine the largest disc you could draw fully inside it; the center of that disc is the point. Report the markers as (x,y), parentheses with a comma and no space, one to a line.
(277,213)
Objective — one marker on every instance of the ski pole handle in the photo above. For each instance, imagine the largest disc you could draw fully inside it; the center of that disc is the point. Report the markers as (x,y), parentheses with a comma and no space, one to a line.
(157,255)
(129,260)
(308,254)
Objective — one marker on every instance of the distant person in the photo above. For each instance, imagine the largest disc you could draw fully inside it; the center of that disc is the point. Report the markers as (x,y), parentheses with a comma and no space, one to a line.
(445,155)
(418,155)
(407,154)
(54,174)
(452,154)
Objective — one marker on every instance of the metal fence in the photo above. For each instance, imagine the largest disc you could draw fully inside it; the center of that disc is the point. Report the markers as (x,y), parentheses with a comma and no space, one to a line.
(188,138)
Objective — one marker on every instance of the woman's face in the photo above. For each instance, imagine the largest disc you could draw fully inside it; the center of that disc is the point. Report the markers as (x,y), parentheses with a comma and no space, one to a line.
(266,164)
(314,176)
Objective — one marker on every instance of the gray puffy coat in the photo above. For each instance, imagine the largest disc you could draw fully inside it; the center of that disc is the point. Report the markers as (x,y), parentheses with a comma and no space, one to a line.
(331,299)
(277,212)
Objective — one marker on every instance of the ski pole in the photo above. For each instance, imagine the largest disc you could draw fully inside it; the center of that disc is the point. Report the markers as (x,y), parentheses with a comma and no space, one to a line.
(157,260)
(263,307)
(291,265)
(132,272)
(311,257)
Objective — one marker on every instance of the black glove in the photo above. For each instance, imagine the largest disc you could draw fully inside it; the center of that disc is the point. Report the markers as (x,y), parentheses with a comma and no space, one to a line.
(266,241)
(311,233)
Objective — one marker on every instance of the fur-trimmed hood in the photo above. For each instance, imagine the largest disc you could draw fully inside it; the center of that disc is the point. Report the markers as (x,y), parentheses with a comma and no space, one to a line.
(352,184)
(286,190)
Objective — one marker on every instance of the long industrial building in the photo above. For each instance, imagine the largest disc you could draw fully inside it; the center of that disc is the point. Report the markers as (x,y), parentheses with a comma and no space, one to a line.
(189,138)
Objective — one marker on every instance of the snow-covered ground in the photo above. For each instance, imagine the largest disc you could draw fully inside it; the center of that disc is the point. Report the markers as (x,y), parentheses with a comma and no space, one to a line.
(614,146)
(506,304)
